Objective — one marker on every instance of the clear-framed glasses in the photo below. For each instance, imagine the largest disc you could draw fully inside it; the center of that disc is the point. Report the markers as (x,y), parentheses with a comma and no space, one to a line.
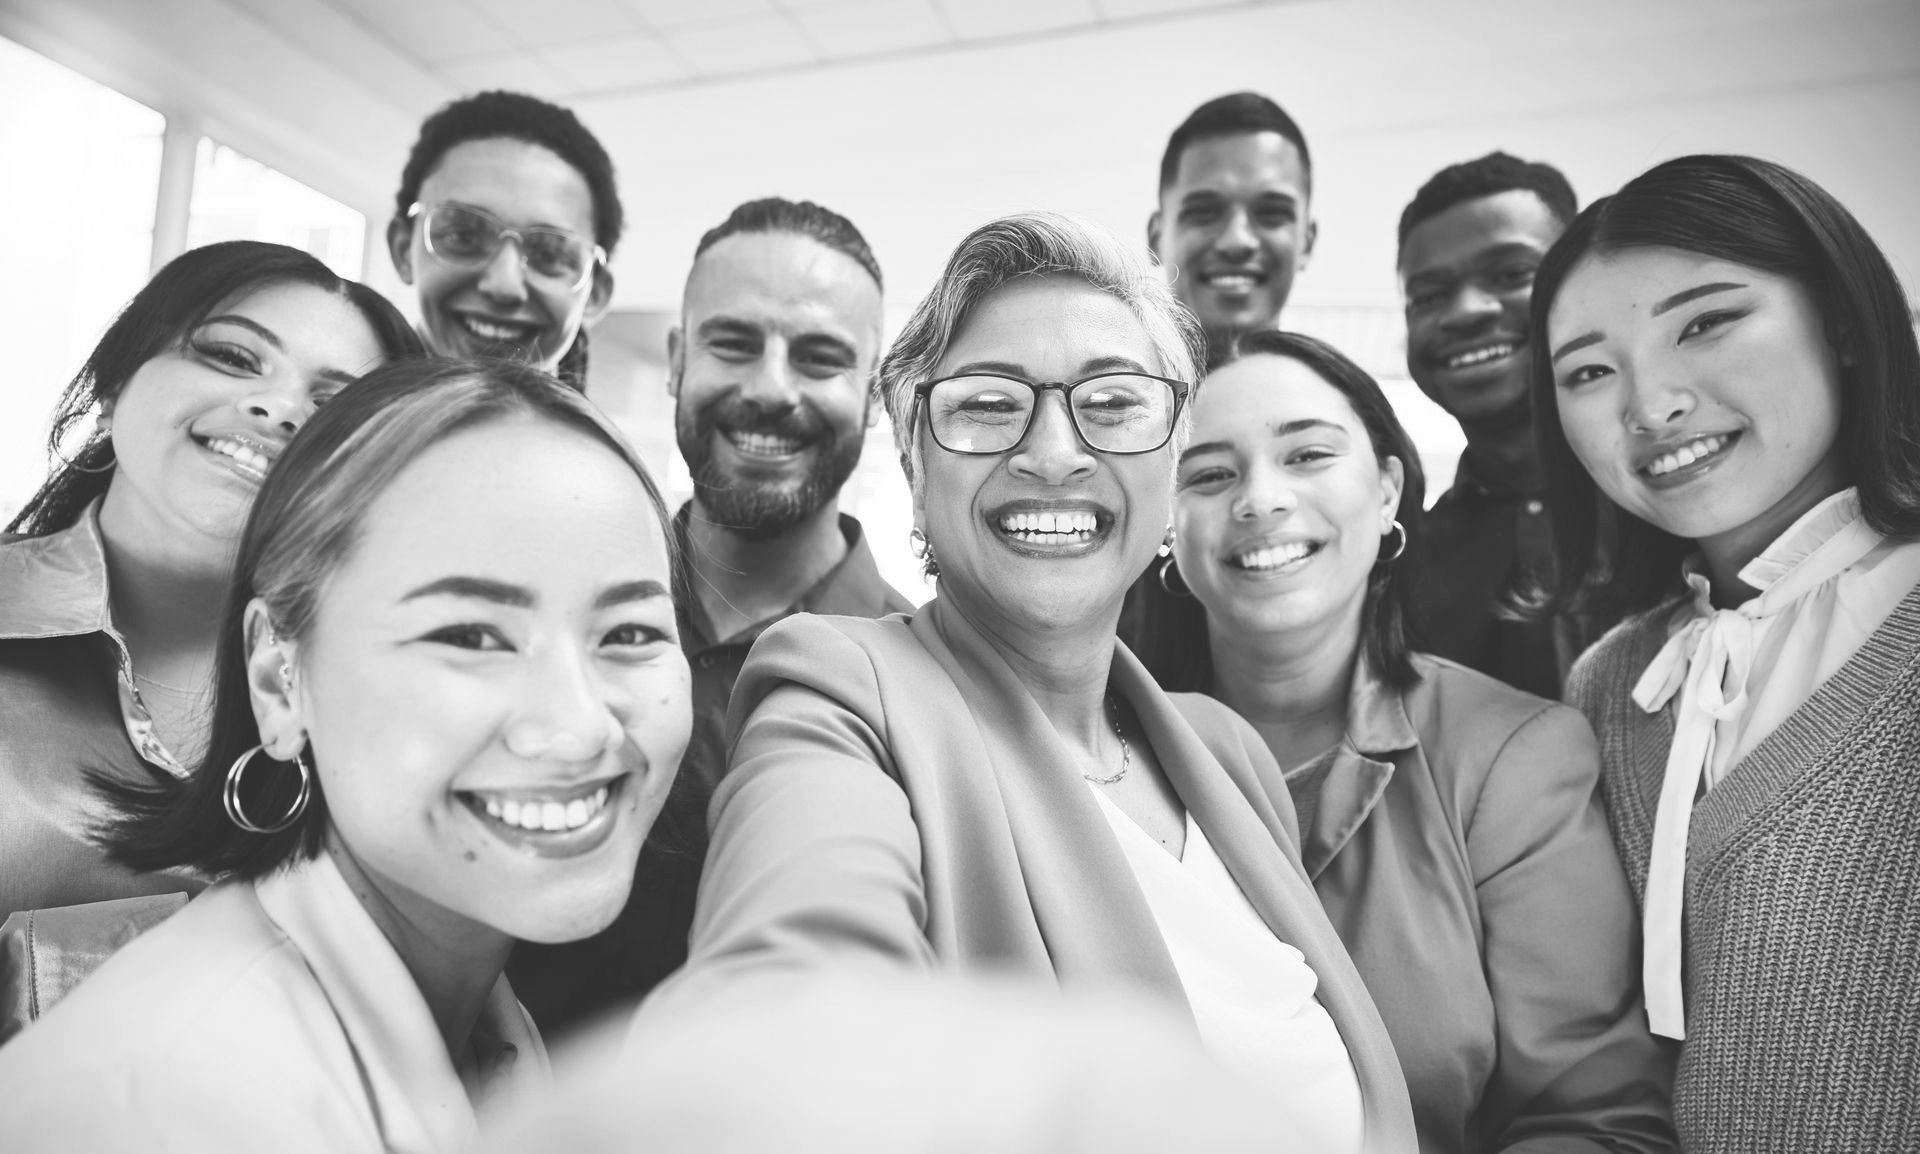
(979,413)
(468,238)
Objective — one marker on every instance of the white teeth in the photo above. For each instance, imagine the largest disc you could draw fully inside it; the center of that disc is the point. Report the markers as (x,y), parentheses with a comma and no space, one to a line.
(1274,556)
(1051,528)
(1686,454)
(1236,282)
(496,330)
(545,815)
(765,445)
(245,454)
(1479,356)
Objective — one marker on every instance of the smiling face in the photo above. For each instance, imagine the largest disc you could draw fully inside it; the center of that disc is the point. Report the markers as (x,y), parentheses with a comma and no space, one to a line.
(195,428)
(1467,278)
(1701,395)
(494,732)
(770,371)
(500,308)
(1233,228)
(1281,504)
(1049,534)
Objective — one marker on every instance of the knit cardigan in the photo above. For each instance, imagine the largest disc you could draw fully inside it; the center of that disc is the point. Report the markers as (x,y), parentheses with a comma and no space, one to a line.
(1802,899)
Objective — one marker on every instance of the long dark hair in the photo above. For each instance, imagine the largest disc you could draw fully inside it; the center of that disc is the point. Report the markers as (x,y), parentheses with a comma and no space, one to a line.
(303,527)
(158,318)
(1173,640)
(1766,217)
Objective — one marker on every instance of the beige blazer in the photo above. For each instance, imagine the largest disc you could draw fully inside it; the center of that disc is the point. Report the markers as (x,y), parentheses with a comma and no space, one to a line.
(895,797)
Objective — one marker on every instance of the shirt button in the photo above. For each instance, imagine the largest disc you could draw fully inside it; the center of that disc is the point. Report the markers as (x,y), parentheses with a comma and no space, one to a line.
(1534,505)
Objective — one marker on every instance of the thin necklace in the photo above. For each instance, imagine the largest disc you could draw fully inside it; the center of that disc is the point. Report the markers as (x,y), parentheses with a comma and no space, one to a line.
(161,684)
(1126,751)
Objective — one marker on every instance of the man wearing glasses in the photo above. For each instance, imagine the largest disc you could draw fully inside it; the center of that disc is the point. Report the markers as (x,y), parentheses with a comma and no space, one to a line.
(771,369)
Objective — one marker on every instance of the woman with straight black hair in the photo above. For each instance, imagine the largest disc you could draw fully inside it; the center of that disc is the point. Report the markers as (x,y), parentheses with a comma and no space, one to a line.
(1449,822)
(112,577)
(1728,392)
(428,741)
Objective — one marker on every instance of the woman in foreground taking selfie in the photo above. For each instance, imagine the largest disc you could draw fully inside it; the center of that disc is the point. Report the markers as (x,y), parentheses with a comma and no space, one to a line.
(110,593)
(1728,393)
(429,741)
(995,783)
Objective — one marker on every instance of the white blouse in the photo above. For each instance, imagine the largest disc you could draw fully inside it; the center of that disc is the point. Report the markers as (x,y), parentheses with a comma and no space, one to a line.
(1252,994)
(1824,586)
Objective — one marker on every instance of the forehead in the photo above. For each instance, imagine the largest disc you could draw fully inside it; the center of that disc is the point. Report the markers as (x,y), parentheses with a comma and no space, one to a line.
(502,500)
(1049,327)
(783,279)
(1245,401)
(1625,285)
(1459,233)
(1242,164)
(310,322)
(516,180)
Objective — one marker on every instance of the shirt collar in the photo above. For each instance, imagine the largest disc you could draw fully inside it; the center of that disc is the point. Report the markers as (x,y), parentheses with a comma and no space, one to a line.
(1377,721)
(55,585)
(1824,532)
(852,588)
(1469,477)
(418,1097)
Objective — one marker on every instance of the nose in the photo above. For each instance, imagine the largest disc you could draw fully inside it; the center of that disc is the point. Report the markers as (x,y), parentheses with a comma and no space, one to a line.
(1655,403)
(769,384)
(504,277)
(1236,241)
(1051,451)
(1470,308)
(279,406)
(1266,492)
(563,714)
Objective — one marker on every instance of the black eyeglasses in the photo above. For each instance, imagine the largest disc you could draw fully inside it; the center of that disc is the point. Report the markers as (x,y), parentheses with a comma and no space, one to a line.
(981,413)
(468,238)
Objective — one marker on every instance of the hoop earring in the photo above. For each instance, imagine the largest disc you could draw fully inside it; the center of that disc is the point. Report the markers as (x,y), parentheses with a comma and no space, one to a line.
(923,551)
(1400,545)
(230,797)
(1169,575)
(113,459)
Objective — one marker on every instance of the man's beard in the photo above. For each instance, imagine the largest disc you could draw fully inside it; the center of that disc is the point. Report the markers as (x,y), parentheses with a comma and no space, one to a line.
(760,511)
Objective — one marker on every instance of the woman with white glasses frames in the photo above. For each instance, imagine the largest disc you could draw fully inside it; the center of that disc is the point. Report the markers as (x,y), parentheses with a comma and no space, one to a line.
(505,220)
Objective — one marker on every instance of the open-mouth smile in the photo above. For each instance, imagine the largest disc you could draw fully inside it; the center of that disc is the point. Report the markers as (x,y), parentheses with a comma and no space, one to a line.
(492,330)
(1273,560)
(552,822)
(244,456)
(771,446)
(1689,458)
(1043,531)
(1479,355)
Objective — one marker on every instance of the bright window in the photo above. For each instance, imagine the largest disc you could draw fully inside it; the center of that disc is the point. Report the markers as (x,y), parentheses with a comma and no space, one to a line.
(78,184)
(237,198)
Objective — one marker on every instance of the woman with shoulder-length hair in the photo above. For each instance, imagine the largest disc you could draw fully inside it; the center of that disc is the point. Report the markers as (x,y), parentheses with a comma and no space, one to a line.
(1450,823)
(994,782)
(111,582)
(429,741)
(1728,392)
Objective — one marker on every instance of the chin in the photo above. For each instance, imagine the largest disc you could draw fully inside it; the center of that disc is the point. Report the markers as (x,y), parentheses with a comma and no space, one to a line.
(568,918)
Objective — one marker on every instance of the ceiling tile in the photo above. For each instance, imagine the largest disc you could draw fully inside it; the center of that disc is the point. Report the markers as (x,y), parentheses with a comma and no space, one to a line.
(870,27)
(983,19)
(555,22)
(1135,9)
(514,71)
(618,62)
(676,13)
(433,30)
(730,47)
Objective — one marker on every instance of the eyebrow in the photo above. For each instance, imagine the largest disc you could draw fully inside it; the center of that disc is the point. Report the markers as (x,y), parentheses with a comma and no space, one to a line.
(1576,344)
(502,593)
(1094,367)
(1695,293)
(1287,429)
(268,335)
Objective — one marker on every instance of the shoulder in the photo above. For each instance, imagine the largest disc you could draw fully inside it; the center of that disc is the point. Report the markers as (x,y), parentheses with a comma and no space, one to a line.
(1607,670)
(1214,720)
(842,658)
(1470,725)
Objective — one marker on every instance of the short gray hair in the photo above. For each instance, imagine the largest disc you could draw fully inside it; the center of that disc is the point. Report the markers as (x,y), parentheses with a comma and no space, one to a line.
(1030,244)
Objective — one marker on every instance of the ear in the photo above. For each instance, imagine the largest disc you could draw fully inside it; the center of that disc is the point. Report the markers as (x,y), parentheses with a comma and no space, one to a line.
(400,247)
(676,361)
(1393,479)
(1153,235)
(1307,239)
(273,685)
(600,295)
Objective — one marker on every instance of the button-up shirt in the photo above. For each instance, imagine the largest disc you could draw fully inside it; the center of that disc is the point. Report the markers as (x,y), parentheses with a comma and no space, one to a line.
(649,940)
(1479,543)
(69,706)
(268,1015)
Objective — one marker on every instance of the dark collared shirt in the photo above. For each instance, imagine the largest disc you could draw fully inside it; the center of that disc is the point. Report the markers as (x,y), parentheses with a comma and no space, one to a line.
(1478,544)
(561,984)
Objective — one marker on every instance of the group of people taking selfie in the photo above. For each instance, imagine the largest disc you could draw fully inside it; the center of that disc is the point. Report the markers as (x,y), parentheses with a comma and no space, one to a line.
(366,712)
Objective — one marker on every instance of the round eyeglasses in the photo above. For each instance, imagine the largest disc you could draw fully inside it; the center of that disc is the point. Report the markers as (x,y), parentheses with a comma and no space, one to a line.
(465,237)
(979,413)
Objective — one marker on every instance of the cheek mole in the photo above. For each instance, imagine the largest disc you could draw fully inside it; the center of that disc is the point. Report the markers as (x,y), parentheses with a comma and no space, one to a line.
(471,856)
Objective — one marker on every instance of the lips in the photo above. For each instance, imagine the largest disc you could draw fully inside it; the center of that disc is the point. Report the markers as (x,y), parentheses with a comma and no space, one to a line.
(1273,557)
(249,457)
(1051,528)
(552,822)
(769,445)
(1234,281)
(1678,457)
(495,331)
(1483,353)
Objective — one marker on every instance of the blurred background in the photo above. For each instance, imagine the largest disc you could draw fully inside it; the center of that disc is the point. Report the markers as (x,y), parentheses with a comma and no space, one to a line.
(132,129)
